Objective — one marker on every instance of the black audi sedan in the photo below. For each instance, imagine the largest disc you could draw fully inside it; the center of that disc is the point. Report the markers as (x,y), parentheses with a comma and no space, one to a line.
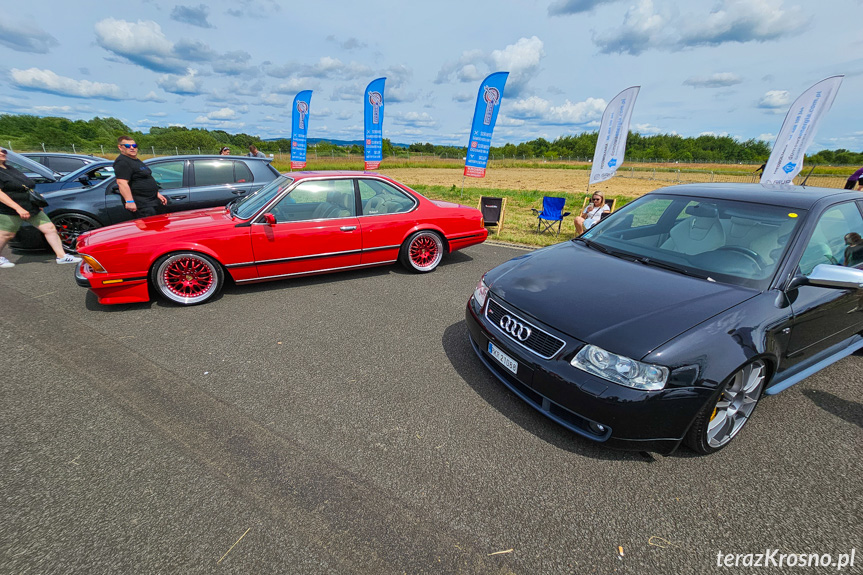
(188,182)
(667,321)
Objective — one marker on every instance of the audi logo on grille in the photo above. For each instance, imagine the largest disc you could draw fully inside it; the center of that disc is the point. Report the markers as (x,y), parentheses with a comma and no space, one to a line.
(514,328)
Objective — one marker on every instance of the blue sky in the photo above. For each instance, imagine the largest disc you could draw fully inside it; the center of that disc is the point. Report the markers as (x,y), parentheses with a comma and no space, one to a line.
(726,67)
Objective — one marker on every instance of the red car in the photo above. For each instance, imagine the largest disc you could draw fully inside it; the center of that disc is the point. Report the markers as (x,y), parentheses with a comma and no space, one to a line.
(302,223)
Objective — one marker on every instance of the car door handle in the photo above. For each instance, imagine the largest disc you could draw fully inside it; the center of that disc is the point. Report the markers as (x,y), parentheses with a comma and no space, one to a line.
(238,192)
(348,228)
(175,198)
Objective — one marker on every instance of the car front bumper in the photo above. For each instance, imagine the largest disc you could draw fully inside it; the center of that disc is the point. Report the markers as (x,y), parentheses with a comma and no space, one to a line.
(592,407)
(113,288)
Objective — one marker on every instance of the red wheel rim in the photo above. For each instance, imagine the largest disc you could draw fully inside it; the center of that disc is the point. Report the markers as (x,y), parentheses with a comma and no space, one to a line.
(424,251)
(188,277)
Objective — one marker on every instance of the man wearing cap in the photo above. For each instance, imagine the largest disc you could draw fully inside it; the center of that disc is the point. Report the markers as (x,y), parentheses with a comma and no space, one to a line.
(139,188)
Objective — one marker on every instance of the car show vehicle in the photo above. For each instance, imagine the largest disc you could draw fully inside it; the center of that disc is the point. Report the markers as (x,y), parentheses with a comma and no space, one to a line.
(87,175)
(302,223)
(62,163)
(667,321)
(188,182)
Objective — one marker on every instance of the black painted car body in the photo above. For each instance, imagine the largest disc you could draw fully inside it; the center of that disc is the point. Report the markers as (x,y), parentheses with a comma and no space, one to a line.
(735,290)
(188,182)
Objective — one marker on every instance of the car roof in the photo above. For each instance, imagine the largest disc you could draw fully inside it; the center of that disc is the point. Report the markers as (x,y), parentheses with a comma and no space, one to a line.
(799,197)
(333,173)
(32,165)
(61,155)
(207,157)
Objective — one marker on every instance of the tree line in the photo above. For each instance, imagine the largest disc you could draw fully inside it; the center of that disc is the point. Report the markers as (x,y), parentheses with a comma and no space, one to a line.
(27,132)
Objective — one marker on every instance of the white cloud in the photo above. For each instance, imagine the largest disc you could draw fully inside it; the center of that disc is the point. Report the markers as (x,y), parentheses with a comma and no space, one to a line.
(48,81)
(25,36)
(522,60)
(544,112)
(141,43)
(185,85)
(775,99)
(718,80)
(417,119)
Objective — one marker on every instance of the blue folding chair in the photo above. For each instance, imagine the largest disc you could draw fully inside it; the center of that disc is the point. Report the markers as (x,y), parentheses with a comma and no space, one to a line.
(552,212)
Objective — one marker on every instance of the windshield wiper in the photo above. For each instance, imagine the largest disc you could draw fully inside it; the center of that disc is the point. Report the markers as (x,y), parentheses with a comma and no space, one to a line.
(671,267)
(592,244)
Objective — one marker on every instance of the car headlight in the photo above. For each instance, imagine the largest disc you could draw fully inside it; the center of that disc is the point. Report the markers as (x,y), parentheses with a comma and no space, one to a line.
(481,292)
(620,369)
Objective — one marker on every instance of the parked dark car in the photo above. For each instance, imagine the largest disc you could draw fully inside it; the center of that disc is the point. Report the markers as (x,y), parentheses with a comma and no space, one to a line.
(88,175)
(667,321)
(37,172)
(188,182)
(62,163)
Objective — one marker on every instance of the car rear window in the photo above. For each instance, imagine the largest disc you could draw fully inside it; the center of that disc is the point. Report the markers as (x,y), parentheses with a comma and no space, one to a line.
(217,172)
(63,164)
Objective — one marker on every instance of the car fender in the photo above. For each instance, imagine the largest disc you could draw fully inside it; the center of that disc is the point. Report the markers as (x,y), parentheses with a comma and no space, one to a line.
(427,227)
(729,340)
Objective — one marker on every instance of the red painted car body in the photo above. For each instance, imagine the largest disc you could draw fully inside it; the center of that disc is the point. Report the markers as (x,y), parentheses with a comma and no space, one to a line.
(303,223)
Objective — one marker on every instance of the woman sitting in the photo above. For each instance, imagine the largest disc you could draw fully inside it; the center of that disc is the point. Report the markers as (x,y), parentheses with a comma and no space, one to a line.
(592,213)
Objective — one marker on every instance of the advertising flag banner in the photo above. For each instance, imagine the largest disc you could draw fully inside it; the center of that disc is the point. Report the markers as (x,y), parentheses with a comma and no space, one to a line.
(299,129)
(484,116)
(613,131)
(798,131)
(374,123)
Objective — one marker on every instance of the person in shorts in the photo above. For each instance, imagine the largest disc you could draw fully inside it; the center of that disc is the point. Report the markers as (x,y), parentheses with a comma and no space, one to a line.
(15,208)
(139,188)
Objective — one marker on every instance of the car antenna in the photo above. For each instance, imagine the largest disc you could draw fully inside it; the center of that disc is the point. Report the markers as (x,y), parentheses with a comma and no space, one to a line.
(806,179)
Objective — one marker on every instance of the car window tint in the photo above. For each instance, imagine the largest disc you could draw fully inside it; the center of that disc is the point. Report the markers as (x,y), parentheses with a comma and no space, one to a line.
(242,173)
(318,199)
(381,198)
(836,239)
(168,174)
(63,164)
(213,172)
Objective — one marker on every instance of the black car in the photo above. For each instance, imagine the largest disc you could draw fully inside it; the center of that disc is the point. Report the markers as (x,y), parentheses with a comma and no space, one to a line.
(188,182)
(667,321)
(62,163)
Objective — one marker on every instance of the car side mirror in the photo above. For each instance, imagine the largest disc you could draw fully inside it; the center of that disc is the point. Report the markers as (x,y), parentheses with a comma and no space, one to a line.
(270,219)
(84,180)
(833,276)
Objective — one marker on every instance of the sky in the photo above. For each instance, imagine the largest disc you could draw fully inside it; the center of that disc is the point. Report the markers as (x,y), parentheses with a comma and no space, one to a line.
(723,67)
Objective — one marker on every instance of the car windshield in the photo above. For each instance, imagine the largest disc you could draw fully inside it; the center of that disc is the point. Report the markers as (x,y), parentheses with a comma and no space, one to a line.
(727,241)
(249,206)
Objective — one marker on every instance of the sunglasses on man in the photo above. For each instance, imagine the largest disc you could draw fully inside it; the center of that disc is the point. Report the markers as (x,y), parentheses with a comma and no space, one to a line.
(2,151)
(127,146)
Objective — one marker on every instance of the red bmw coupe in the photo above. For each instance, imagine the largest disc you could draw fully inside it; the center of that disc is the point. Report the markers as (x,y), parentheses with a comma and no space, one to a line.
(302,223)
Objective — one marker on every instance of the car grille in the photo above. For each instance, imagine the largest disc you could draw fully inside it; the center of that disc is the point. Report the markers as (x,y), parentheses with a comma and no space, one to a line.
(539,342)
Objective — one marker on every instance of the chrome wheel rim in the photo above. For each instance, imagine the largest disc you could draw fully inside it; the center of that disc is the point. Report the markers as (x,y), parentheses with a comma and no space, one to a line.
(425,251)
(736,404)
(69,227)
(186,278)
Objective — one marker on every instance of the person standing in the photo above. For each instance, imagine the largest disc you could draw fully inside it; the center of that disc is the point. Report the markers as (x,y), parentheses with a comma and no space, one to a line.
(854,180)
(139,188)
(15,207)
(255,153)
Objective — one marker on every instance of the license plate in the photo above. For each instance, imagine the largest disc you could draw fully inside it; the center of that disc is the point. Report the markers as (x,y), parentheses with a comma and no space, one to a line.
(503,358)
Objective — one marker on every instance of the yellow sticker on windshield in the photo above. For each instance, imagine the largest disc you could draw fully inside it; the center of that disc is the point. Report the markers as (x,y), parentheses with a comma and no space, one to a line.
(792,215)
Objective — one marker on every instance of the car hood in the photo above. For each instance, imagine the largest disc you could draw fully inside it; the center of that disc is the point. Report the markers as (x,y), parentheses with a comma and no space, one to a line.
(619,305)
(160,226)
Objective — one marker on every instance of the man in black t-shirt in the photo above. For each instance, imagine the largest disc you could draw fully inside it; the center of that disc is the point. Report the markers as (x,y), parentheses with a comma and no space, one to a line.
(137,185)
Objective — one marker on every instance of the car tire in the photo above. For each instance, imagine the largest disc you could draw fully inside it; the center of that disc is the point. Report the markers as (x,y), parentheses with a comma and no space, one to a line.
(187,278)
(70,226)
(422,252)
(722,419)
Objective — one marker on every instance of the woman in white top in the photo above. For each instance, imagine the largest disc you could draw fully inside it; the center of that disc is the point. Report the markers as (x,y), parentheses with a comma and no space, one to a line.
(591,213)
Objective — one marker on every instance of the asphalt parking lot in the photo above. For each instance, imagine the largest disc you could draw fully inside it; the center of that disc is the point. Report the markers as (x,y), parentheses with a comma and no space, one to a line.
(342,424)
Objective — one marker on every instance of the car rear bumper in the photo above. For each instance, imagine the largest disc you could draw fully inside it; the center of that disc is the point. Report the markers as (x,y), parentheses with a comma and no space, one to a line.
(616,415)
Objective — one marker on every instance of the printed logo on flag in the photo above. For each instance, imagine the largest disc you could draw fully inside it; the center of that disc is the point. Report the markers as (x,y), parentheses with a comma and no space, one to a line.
(299,128)
(485,113)
(789,167)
